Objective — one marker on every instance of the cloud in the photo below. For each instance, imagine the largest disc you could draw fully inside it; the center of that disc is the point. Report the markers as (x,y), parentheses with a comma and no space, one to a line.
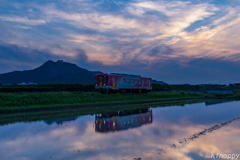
(141,34)
(82,38)
(162,49)
(14,57)
(180,15)
(159,66)
(22,20)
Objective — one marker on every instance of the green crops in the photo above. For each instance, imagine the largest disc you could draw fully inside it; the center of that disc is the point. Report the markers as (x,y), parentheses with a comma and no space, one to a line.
(74,98)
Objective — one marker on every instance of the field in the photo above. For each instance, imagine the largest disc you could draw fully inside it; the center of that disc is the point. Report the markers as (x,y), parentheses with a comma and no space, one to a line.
(11,101)
(49,96)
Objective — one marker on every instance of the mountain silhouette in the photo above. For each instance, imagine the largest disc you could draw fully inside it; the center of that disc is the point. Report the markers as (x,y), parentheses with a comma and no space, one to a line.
(51,72)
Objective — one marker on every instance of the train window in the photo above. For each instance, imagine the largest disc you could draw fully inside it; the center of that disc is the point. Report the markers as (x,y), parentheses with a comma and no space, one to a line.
(136,81)
(105,79)
(143,82)
(124,80)
(140,82)
(96,79)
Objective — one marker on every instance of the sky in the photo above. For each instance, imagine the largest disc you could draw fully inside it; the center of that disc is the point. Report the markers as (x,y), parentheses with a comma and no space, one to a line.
(177,42)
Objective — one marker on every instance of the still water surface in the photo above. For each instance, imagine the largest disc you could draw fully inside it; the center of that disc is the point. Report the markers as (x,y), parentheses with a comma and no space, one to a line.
(151,133)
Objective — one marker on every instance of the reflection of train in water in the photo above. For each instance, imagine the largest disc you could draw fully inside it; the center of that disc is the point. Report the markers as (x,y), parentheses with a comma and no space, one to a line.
(122,120)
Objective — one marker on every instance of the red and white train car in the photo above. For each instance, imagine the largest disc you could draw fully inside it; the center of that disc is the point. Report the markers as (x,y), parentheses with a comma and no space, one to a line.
(115,82)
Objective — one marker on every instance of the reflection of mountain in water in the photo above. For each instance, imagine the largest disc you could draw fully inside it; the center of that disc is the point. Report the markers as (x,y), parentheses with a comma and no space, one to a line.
(122,120)
(60,121)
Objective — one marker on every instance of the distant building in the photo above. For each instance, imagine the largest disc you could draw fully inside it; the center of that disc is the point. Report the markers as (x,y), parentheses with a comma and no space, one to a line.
(236,84)
(30,83)
(23,83)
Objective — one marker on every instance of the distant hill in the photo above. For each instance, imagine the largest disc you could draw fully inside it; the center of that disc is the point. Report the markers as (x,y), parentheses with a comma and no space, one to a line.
(158,82)
(51,73)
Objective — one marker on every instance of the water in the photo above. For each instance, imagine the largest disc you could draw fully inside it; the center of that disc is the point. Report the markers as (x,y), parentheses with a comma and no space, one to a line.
(151,133)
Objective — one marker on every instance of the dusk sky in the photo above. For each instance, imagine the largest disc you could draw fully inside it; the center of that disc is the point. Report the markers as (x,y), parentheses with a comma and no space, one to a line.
(196,41)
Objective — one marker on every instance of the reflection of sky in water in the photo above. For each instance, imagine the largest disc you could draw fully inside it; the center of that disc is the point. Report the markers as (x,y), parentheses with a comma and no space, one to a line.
(78,139)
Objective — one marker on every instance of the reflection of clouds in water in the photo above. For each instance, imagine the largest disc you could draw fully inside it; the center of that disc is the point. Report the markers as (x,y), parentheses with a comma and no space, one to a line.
(221,141)
(78,139)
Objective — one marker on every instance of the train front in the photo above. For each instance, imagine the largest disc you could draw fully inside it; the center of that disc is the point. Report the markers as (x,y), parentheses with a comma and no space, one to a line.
(101,82)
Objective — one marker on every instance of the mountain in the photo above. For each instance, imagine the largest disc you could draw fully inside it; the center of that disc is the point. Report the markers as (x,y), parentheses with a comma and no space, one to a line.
(158,82)
(51,73)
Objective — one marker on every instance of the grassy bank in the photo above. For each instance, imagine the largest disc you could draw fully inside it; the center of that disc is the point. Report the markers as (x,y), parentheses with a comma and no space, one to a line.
(42,100)
(91,88)
(50,115)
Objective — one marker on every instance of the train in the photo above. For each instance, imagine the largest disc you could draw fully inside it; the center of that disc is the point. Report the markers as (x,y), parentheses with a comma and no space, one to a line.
(122,120)
(117,82)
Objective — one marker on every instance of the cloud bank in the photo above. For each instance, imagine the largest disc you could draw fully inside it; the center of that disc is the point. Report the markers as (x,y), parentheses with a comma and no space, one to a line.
(166,40)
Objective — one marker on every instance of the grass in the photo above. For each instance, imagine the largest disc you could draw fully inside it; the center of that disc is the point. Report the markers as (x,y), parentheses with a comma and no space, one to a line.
(91,88)
(13,101)
(63,98)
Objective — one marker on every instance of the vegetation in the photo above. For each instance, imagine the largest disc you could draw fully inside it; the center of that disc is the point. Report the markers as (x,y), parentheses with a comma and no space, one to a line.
(28,97)
(187,87)
(66,98)
(90,88)
(12,101)
(47,88)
